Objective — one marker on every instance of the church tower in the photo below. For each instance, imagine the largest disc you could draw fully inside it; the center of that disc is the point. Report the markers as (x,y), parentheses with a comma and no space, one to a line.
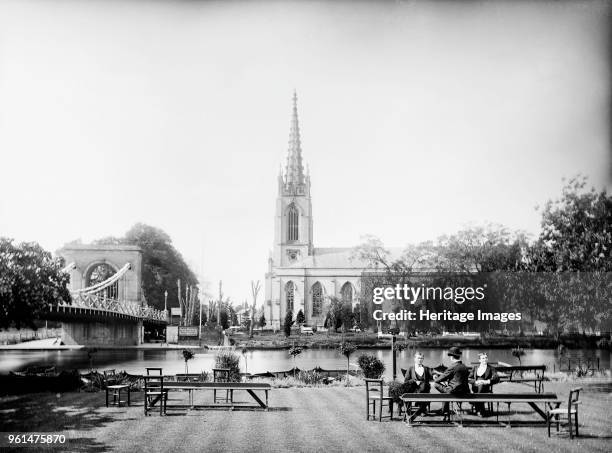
(293,219)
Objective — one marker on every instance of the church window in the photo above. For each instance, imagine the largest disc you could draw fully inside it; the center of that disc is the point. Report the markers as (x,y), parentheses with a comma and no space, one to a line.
(347,293)
(293,223)
(317,299)
(290,295)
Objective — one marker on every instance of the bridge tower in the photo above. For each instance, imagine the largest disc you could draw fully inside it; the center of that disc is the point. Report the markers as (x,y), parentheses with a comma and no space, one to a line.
(117,323)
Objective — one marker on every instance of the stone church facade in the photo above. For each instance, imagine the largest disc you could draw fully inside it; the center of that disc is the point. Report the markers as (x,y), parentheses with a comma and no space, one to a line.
(301,276)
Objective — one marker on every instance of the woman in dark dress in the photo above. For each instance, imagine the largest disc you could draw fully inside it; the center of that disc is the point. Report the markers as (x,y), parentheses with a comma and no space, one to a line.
(418,377)
(482,377)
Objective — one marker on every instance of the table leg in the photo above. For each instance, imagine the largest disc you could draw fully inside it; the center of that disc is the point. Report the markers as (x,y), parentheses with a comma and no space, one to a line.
(537,409)
(256,398)
(414,416)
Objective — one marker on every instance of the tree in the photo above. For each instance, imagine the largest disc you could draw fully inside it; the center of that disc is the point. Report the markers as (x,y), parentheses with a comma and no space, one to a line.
(162,264)
(187,355)
(288,323)
(262,321)
(300,318)
(346,349)
(30,280)
(224,319)
(255,287)
(294,351)
(333,319)
(576,233)
(450,261)
(571,259)
(347,316)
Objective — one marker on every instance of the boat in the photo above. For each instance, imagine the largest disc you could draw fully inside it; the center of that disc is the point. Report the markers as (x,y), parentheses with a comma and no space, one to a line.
(36,371)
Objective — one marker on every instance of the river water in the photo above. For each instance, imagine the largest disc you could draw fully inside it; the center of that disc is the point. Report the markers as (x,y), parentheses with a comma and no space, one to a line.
(134,361)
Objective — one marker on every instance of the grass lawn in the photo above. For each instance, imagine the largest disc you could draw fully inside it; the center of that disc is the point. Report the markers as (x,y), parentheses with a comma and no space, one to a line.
(300,419)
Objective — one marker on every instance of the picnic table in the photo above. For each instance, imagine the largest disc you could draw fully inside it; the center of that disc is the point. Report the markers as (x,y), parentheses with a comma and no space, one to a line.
(250,388)
(515,374)
(533,399)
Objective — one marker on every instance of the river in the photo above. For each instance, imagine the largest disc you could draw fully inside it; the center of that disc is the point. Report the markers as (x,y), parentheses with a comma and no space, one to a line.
(134,361)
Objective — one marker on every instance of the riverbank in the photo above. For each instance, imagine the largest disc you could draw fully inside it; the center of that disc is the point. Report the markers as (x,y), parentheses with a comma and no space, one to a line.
(277,341)
(371,341)
(271,341)
(300,419)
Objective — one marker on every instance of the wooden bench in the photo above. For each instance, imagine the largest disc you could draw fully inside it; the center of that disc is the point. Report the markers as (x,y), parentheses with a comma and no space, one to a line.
(250,388)
(514,374)
(533,399)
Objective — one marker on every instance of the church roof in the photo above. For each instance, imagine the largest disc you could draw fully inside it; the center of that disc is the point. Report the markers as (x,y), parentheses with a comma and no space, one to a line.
(337,258)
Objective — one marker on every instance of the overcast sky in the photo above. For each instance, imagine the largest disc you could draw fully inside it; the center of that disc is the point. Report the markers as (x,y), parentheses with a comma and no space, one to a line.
(416,119)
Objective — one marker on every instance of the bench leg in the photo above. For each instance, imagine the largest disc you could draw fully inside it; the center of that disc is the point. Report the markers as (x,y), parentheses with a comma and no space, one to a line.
(576,417)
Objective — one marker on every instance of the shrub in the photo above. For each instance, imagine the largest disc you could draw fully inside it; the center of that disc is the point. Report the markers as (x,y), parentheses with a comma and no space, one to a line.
(397,389)
(604,343)
(231,361)
(288,323)
(372,366)
(310,377)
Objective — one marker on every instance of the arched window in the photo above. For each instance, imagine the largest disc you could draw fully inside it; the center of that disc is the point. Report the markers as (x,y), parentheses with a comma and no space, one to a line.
(100,273)
(290,295)
(317,299)
(293,218)
(347,293)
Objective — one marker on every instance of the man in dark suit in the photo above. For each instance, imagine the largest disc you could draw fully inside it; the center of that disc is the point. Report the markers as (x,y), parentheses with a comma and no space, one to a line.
(455,379)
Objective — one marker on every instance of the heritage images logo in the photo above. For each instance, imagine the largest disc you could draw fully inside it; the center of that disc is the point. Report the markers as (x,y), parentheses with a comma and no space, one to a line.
(411,294)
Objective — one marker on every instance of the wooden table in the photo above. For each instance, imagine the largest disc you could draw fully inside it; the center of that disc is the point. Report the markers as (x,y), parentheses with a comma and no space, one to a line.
(533,399)
(250,388)
(508,374)
(116,389)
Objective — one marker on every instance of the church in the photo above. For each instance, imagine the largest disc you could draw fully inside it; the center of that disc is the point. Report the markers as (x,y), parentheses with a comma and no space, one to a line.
(301,276)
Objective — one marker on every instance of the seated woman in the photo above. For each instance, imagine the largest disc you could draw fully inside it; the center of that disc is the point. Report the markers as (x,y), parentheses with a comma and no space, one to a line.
(483,377)
(418,377)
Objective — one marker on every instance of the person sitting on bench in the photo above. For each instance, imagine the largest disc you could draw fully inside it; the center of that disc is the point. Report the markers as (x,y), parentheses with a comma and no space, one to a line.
(418,377)
(483,377)
(454,380)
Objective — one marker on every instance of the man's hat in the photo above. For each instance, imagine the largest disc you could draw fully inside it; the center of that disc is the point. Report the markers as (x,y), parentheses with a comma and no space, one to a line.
(455,352)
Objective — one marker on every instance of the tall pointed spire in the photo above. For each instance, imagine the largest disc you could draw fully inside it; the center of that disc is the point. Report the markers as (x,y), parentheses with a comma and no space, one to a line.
(294,173)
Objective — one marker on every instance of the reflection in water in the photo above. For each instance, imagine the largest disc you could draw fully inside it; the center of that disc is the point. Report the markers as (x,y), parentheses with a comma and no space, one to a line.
(134,361)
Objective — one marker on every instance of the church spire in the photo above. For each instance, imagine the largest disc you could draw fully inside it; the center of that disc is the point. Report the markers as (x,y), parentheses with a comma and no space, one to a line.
(294,173)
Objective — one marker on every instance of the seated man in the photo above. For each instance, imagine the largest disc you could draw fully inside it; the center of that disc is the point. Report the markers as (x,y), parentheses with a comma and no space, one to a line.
(455,379)
(418,377)
(483,377)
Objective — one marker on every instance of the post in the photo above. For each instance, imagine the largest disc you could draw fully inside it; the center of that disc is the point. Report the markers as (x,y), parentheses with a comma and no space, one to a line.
(394,361)
(200,323)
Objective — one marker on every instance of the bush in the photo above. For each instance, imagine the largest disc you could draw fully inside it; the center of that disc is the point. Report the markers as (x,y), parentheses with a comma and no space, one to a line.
(231,361)
(288,323)
(604,343)
(372,366)
(397,389)
(310,377)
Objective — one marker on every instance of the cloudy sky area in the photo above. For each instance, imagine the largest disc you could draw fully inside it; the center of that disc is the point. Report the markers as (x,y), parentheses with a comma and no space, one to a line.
(416,119)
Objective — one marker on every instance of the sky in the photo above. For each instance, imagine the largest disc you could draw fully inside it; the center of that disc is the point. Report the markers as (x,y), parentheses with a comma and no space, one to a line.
(417,118)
